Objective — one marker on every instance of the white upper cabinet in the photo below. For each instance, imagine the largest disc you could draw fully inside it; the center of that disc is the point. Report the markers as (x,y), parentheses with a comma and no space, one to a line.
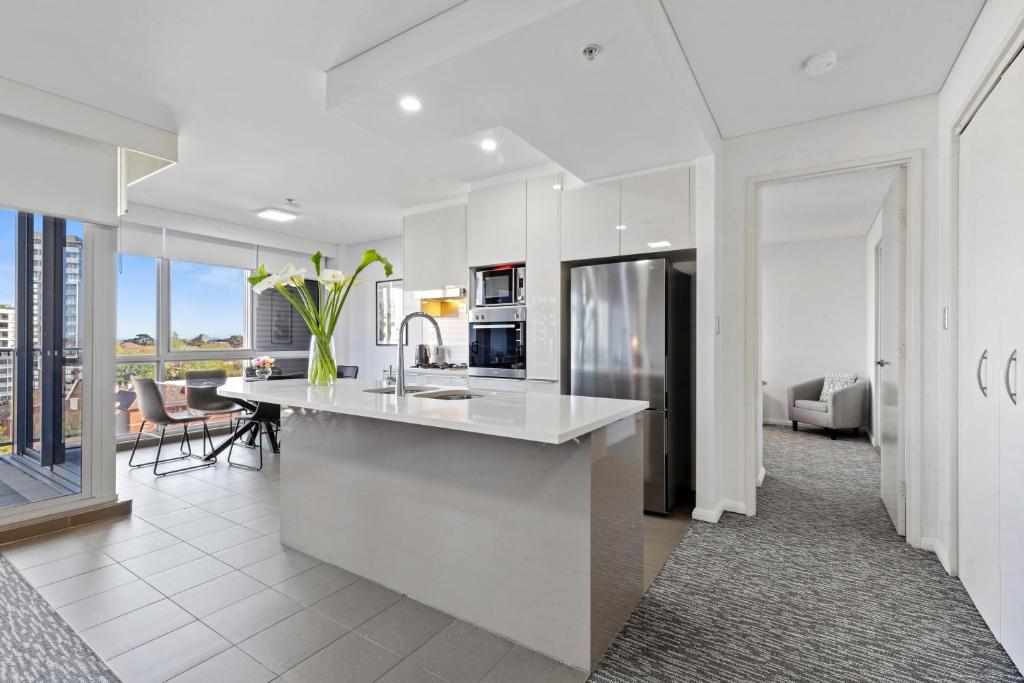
(434,249)
(590,214)
(656,212)
(543,279)
(454,269)
(497,225)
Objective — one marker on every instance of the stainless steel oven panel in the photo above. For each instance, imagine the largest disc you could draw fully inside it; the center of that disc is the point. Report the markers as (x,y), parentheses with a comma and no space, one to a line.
(520,285)
(503,314)
(497,342)
(496,372)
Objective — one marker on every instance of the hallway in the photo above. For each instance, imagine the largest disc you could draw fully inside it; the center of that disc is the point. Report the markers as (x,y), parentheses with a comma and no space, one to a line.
(817,587)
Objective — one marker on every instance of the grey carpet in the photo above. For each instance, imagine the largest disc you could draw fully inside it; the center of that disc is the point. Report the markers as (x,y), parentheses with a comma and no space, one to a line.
(35,643)
(817,587)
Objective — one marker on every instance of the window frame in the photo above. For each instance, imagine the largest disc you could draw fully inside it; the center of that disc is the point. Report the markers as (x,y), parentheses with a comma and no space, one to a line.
(165,355)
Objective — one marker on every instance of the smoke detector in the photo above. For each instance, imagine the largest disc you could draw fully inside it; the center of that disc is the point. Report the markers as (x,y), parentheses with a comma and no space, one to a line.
(590,51)
(821,63)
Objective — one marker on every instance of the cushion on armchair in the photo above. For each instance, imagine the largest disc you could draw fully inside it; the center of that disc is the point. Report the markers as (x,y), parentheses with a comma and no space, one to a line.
(817,406)
(836,381)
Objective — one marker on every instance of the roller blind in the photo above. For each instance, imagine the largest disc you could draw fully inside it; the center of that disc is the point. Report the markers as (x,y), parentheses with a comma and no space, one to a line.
(48,171)
(276,259)
(147,240)
(144,240)
(181,246)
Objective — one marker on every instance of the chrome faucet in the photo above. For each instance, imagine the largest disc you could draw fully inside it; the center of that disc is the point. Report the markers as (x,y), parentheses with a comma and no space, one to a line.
(400,384)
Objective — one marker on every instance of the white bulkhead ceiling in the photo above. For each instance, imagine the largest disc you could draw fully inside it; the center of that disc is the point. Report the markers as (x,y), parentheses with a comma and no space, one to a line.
(244,84)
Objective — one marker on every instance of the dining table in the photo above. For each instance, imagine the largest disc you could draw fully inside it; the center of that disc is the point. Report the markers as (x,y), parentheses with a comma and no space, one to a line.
(248,432)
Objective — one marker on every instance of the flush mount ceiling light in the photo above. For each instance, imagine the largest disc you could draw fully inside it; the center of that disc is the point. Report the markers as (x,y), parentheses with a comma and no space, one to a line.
(277,215)
(659,245)
(821,63)
(620,227)
(410,104)
(488,145)
(556,186)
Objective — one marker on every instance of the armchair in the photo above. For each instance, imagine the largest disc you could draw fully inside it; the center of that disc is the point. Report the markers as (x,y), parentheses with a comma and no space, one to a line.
(844,409)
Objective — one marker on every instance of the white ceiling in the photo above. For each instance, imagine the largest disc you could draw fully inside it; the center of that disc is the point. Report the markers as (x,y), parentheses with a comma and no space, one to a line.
(243,82)
(825,207)
(748,55)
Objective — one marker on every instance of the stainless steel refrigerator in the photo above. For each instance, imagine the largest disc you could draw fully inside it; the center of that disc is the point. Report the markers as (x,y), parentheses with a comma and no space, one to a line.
(630,338)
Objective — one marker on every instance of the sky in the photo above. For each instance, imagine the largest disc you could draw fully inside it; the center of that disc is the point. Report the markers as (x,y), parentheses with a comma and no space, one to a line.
(204,299)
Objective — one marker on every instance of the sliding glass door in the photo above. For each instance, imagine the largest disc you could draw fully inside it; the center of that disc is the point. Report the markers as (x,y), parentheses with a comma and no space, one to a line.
(41,392)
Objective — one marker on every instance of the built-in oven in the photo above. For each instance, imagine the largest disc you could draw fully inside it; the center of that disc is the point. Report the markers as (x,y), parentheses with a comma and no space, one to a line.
(497,342)
(500,286)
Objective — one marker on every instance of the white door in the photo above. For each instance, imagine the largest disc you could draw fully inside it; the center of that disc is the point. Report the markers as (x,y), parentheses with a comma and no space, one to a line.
(979,358)
(891,317)
(1005,111)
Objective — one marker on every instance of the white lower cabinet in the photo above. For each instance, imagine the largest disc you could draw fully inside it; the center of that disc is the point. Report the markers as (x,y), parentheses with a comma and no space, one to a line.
(435,379)
(990,411)
(543,386)
(497,384)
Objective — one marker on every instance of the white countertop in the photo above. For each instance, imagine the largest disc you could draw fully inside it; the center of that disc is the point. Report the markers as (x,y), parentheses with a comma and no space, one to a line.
(529,417)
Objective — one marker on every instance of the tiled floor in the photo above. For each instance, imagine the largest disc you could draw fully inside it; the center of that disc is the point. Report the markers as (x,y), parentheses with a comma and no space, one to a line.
(196,586)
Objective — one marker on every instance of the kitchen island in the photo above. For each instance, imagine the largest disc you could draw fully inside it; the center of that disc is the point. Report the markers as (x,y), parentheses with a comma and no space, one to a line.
(521,514)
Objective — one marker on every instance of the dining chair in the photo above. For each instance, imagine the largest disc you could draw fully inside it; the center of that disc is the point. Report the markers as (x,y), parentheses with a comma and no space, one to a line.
(206,401)
(348,371)
(266,419)
(151,405)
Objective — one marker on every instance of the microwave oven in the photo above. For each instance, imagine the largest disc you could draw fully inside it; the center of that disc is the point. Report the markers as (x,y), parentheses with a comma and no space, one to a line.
(500,286)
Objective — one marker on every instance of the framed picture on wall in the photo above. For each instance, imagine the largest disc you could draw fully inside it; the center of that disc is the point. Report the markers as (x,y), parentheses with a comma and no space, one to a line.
(389,312)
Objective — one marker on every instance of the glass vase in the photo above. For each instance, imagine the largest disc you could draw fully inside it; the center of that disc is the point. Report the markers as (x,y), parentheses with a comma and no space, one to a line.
(322,370)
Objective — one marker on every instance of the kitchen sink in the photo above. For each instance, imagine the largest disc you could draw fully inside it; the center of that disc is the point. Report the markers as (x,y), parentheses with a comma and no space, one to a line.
(409,389)
(449,395)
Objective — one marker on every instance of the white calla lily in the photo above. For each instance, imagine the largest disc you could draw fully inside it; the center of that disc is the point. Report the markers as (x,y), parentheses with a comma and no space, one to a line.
(320,314)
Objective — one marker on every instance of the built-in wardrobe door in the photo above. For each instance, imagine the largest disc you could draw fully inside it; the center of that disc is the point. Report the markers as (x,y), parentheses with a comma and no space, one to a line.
(1006,105)
(979,356)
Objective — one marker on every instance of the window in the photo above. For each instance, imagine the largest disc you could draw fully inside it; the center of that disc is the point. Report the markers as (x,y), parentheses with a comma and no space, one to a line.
(136,305)
(277,326)
(389,311)
(208,307)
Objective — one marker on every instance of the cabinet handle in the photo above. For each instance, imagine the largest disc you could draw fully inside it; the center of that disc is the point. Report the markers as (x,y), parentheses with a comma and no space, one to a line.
(541,381)
(1006,377)
(984,357)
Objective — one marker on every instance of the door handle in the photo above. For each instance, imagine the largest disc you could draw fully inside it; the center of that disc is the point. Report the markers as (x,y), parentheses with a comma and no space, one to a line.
(1006,376)
(881,363)
(984,357)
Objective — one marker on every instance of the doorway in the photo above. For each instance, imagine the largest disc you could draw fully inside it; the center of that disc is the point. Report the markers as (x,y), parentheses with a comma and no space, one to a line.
(860,333)
(41,356)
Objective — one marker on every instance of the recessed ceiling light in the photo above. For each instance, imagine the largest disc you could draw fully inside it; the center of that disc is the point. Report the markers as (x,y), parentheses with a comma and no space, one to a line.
(488,145)
(659,245)
(821,63)
(556,186)
(277,215)
(620,227)
(410,104)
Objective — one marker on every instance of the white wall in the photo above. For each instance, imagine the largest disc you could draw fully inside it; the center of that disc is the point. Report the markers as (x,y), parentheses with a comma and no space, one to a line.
(890,129)
(814,319)
(355,334)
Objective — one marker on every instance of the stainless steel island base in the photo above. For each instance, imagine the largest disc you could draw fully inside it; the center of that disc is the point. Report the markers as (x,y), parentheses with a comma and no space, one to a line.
(539,543)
